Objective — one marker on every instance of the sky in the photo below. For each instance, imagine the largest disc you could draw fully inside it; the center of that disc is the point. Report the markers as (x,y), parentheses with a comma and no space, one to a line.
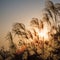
(23,11)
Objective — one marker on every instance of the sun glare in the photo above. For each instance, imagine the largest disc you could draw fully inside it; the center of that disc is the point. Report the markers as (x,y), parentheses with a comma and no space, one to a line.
(43,34)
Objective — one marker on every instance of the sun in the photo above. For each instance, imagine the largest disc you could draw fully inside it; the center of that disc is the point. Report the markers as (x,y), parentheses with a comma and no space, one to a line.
(43,34)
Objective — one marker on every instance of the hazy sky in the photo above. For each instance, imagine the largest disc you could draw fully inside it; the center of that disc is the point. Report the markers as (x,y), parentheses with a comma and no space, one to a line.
(18,11)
